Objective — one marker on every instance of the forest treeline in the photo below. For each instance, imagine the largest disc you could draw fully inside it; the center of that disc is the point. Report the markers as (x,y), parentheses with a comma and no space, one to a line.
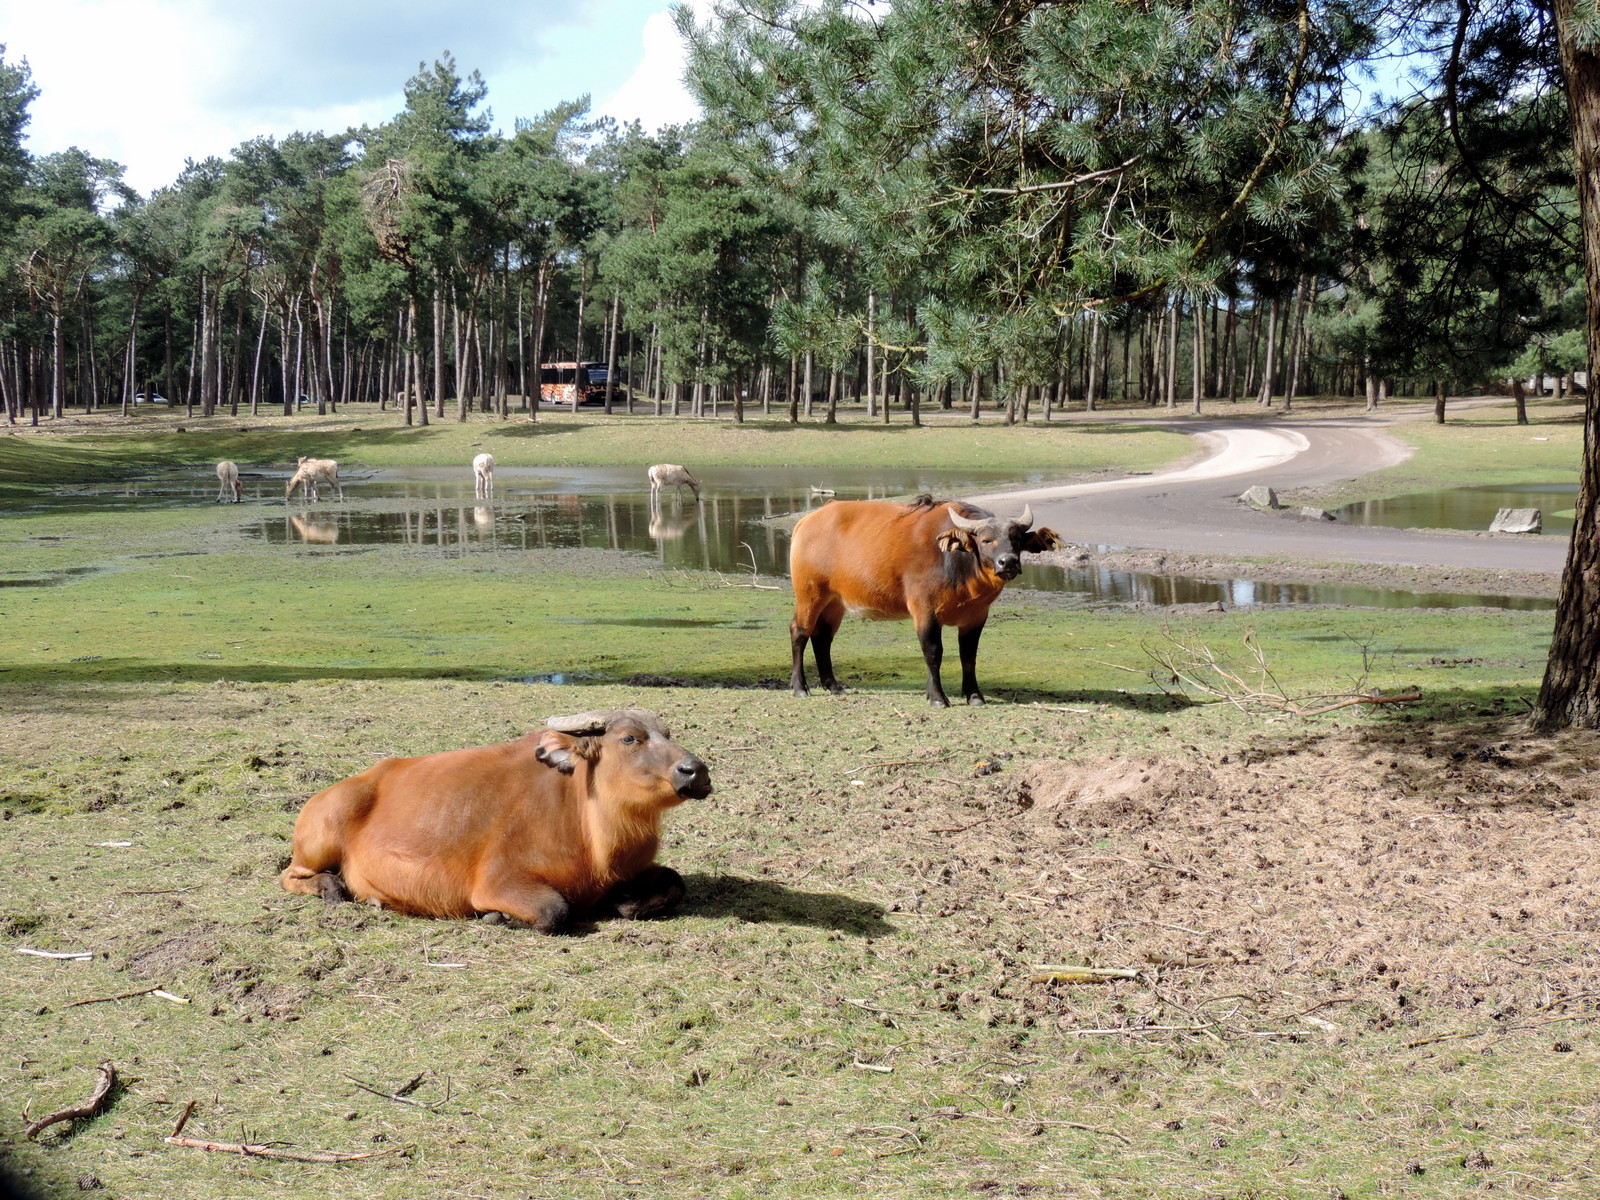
(961,205)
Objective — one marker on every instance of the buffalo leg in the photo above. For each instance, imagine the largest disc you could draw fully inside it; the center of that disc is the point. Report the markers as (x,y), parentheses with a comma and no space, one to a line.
(931,635)
(967,640)
(538,904)
(326,884)
(653,890)
(822,647)
(797,675)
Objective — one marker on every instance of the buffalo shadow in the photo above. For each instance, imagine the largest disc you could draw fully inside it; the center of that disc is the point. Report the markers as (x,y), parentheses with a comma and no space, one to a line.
(762,901)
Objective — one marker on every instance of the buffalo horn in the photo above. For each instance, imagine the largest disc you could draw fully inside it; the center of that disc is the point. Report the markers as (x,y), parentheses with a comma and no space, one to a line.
(961,522)
(598,720)
(581,724)
(1026,519)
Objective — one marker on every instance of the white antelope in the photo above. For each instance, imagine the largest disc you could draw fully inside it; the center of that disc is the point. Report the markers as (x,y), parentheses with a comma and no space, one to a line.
(229,489)
(309,472)
(483,476)
(665,475)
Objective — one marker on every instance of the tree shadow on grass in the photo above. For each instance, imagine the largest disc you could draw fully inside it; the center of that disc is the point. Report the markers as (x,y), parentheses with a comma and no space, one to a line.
(760,902)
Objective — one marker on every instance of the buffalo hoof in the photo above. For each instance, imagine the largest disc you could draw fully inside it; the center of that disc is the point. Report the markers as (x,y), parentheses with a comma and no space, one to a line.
(802,693)
(330,887)
(837,688)
(976,698)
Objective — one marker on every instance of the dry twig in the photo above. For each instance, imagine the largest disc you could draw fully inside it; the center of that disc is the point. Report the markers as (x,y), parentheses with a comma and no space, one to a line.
(1196,667)
(108,1077)
(53,954)
(1077,974)
(263,1150)
(400,1095)
(105,999)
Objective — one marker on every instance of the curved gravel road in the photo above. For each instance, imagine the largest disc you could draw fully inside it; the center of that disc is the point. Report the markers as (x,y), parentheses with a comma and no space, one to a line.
(1194,509)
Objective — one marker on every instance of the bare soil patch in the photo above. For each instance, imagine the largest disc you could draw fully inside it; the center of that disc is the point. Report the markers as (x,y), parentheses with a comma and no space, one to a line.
(1392,867)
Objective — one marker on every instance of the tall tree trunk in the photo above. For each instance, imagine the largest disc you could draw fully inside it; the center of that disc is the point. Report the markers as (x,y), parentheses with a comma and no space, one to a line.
(207,358)
(1091,391)
(1269,367)
(872,329)
(1296,342)
(611,347)
(1197,355)
(1439,398)
(794,389)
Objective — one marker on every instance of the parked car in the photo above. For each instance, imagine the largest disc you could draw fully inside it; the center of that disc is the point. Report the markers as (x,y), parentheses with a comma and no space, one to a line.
(152,398)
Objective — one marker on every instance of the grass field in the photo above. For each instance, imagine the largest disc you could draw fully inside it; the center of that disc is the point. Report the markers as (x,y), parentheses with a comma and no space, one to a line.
(1364,943)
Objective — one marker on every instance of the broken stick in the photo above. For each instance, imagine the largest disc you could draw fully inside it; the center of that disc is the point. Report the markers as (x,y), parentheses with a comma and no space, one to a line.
(258,1150)
(108,1076)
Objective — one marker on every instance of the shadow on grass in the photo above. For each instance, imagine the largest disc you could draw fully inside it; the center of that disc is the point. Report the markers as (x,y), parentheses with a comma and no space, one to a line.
(762,902)
(94,670)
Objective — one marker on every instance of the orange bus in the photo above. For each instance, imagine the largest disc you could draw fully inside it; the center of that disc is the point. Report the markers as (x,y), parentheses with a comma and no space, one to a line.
(570,384)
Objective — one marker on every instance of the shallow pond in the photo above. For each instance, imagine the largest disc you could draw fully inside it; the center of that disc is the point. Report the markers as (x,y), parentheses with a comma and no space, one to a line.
(730,530)
(1468,508)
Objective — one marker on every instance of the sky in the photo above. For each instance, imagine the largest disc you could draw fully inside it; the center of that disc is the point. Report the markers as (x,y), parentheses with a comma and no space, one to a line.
(150,83)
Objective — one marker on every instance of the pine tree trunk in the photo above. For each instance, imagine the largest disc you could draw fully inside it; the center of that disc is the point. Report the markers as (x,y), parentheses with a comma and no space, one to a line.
(794,389)
(1439,398)
(1197,355)
(1269,367)
(1521,396)
(1091,391)
(611,347)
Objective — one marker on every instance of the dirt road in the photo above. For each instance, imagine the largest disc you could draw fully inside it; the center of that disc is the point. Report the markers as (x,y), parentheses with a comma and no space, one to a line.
(1194,509)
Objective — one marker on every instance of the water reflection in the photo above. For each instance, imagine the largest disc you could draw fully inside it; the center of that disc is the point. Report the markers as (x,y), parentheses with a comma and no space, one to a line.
(730,529)
(1468,508)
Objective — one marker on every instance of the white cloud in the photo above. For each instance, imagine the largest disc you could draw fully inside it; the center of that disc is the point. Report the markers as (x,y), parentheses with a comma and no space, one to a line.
(655,94)
(150,83)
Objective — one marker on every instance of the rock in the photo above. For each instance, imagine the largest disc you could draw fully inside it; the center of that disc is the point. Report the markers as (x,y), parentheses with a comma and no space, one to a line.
(1517,520)
(1318,514)
(1260,496)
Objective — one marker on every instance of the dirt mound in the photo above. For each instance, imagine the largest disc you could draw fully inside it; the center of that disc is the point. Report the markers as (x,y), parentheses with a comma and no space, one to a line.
(1396,865)
(1127,793)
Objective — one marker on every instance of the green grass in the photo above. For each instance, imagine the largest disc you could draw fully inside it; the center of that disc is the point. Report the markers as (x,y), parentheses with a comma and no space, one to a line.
(858,894)
(97,448)
(1477,447)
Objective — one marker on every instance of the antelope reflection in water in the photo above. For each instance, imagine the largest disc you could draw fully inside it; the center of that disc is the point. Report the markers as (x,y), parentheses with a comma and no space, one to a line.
(311,530)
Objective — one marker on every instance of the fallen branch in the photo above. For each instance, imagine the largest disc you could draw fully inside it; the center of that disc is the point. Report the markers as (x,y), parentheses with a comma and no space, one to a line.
(399,1095)
(1077,974)
(866,1066)
(108,1076)
(53,954)
(183,1118)
(262,1150)
(1198,668)
(106,999)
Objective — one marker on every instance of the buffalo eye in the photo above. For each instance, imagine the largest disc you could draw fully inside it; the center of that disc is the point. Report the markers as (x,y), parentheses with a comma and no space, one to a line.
(628,739)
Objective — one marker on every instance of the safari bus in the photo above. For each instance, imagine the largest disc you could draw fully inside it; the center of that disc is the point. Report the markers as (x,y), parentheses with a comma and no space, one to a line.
(570,384)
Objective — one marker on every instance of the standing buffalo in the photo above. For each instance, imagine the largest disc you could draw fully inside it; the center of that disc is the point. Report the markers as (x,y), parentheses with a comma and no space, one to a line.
(309,472)
(939,562)
(564,820)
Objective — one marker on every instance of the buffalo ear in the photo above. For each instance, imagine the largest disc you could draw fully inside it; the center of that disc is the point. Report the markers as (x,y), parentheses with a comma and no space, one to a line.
(1040,540)
(952,540)
(562,751)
